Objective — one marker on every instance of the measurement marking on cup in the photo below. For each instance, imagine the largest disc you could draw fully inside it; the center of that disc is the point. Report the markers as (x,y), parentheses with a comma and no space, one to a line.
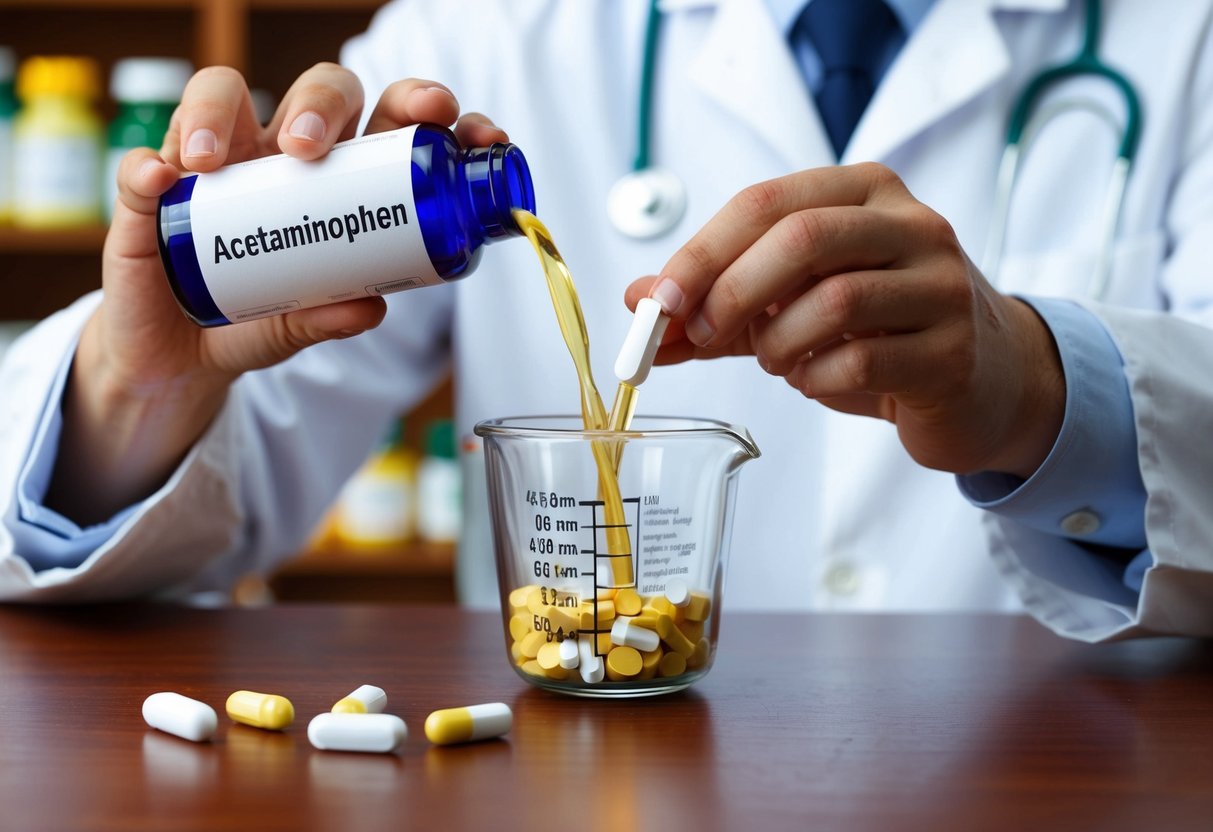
(594,526)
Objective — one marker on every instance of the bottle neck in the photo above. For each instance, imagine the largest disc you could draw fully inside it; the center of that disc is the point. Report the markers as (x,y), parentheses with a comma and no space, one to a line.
(498,182)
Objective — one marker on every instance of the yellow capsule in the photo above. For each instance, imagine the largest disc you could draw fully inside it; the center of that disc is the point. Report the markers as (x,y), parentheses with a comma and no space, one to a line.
(647,618)
(536,601)
(532,667)
(649,661)
(532,642)
(367,699)
(518,598)
(691,629)
(606,611)
(604,642)
(549,655)
(604,594)
(662,605)
(520,625)
(623,663)
(699,607)
(563,619)
(699,657)
(672,664)
(475,722)
(627,602)
(516,653)
(261,710)
(671,635)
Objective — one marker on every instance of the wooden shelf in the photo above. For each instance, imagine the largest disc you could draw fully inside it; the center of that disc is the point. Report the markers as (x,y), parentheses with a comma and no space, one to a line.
(416,572)
(84,240)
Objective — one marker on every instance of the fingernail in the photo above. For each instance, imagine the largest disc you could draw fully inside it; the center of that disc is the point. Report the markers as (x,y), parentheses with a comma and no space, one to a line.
(307,126)
(147,167)
(667,293)
(442,90)
(700,331)
(201,143)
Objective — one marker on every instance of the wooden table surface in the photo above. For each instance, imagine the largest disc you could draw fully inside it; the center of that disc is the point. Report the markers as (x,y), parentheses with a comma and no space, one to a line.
(806,722)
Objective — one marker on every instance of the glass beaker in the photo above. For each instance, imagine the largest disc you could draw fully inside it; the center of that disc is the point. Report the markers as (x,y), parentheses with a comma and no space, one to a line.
(612,593)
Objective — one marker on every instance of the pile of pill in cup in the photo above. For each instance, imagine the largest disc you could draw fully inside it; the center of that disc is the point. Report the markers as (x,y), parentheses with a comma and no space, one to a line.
(619,636)
(356,722)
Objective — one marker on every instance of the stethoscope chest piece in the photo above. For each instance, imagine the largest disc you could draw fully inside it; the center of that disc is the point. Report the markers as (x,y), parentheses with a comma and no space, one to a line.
(647,203)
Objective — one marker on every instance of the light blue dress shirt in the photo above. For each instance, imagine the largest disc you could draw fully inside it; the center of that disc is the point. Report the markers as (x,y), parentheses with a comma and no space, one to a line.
(1092,468)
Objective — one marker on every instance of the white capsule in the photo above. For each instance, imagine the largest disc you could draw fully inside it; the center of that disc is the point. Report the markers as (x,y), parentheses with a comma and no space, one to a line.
(568,654)
(624,632)
(180,716)
(677,592)
(592,668)
(640,346)
(368,699)
(357,732)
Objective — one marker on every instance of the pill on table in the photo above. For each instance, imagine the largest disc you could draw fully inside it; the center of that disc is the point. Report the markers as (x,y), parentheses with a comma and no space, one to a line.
(623,631)
(379,733)
(640,346)
(368,699)
(261,710)
(180,716)
(475,722)
(591,666)
(569,654)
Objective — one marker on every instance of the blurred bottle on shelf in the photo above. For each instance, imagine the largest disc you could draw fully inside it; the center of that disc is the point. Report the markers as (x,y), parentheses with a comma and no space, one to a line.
(146,90)
(439,496)
(8,112)
(57,143)
(377,508)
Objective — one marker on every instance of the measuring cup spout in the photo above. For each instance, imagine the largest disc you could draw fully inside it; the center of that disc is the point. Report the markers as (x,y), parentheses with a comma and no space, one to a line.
(744,447)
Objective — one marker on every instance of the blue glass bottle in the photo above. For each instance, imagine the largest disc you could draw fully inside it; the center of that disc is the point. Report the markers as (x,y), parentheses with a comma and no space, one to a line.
(462,199)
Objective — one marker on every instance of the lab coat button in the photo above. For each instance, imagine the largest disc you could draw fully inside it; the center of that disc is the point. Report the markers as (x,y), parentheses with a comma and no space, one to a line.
(1081,523)
(841,579)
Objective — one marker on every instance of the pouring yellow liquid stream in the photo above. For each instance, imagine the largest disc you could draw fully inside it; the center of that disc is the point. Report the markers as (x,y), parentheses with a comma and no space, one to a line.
(594,416)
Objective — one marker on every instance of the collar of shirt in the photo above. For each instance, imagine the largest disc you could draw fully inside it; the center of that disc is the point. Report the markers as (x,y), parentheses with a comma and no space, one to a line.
(786,12)
(909,12)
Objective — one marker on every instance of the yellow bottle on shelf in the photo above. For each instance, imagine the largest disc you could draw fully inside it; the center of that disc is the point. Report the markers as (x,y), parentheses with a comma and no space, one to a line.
(377,507)
(57,144)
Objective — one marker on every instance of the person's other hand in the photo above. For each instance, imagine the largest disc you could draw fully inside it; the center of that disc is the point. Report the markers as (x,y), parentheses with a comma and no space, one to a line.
(861,297)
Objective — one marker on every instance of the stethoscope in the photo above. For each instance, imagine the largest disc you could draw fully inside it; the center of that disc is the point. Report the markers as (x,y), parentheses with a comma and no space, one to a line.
(1025,126)
(649,201)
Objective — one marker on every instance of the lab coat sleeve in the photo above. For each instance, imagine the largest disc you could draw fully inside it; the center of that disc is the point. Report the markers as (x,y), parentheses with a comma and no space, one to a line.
(1074,591)
(251,489)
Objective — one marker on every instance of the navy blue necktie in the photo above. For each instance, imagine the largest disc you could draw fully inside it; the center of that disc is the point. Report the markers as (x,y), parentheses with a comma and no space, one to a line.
(853,38)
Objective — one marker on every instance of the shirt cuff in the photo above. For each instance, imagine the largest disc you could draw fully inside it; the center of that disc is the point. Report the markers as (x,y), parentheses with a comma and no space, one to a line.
(1089,488)
(44,537)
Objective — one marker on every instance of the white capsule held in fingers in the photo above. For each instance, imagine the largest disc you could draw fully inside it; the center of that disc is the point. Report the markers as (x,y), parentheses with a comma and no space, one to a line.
(368,699)
(592,667)
(180,716)
(625,633)
(373,733)
(640,346)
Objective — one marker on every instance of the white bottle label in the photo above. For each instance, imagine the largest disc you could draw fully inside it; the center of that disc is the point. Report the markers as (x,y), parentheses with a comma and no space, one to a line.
(279,233)
(56,175)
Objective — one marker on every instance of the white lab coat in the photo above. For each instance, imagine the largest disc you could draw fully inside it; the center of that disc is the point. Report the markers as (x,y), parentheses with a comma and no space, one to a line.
(834,515)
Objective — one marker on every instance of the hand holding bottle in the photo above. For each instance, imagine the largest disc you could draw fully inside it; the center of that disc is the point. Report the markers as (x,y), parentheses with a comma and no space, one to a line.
(146,382)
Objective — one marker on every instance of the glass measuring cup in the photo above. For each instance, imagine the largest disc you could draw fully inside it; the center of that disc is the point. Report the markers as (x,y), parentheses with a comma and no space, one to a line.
(599,608)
